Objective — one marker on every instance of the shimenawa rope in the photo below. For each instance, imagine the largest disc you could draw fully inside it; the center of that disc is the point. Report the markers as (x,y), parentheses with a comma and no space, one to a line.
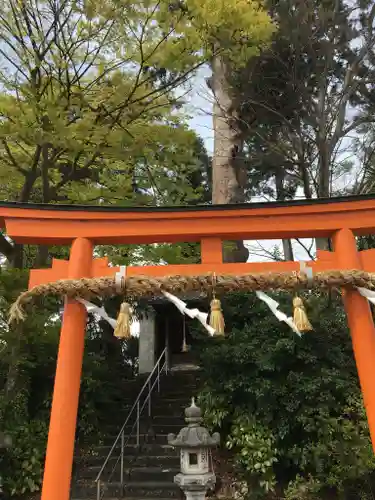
(144,286)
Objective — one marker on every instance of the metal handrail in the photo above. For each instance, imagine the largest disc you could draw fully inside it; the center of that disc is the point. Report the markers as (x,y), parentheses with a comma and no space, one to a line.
(160,366)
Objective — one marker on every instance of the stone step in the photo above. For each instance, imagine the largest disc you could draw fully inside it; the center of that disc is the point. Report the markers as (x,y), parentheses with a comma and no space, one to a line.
(180,389)
(182,375)
(173,407)
(127,398)
(146,438)
(131,474)
(182,394)
(140,460)
(166,428)
(180,403)
(171,386)
(161,408)
(150,449)
(169,419)
(152,474)
(157,428)
(156,425)
(144,489)
(158,421)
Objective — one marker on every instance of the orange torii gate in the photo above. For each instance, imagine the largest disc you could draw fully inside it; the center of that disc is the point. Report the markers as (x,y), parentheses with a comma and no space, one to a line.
(83,227)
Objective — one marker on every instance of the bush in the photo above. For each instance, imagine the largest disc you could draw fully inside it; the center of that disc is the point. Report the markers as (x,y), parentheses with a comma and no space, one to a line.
(22,464)
(267,390)
(256,453)
(27,370)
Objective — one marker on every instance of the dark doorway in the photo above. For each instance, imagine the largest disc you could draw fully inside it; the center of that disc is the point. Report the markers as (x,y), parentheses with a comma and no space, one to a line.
(169,331)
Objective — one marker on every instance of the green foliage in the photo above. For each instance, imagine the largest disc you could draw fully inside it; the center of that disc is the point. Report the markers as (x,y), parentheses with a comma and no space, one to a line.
(27,370)
(257,453)
(22,465)
(235,28)
(27,364)
(84,124)
(299,396)
(308,489)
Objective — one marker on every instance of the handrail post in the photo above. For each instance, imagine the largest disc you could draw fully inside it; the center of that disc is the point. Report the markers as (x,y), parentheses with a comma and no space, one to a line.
(166,364)
(138,424)
(149,398)
(166,349)
(122,461)
(98,489)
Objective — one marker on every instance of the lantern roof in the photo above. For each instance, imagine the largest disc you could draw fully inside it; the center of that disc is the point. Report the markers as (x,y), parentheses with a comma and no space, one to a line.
(194,435)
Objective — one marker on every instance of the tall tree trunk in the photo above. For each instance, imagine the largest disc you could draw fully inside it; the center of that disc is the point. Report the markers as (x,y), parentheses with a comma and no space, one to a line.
(324,170)
(42,257)
(322,244)
(228,172)
(324,184)
(17,260)
(280,196)
(288,250)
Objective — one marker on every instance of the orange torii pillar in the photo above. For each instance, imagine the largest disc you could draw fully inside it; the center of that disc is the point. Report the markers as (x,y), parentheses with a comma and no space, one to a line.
(360,323)
(61,436)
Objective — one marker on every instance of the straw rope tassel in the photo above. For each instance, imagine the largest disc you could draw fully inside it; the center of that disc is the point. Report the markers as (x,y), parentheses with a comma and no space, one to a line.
(122,329)
(185,347)
(216,317)
(300,318)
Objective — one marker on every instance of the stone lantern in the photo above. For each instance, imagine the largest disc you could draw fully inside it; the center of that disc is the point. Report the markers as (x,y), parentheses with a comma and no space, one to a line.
(194,442)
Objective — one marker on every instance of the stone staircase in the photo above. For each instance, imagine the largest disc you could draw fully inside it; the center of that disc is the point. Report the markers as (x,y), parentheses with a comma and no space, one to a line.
(148,469)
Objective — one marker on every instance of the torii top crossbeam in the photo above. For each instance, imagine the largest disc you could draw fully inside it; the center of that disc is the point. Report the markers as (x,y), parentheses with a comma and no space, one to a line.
(83,227)
(61,224)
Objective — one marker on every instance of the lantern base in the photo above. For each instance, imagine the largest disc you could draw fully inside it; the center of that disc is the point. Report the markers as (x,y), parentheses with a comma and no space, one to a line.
(195,486)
